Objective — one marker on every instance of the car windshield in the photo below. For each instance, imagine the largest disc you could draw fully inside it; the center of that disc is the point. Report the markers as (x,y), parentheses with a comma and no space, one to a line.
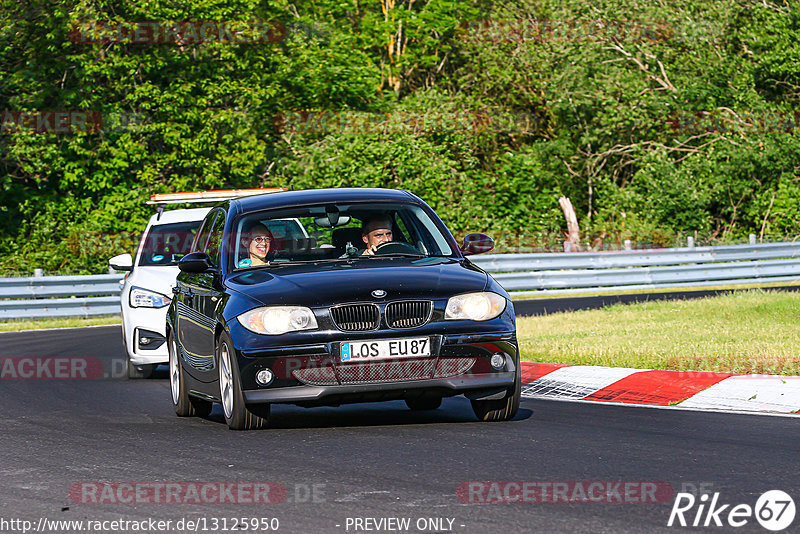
(165,244)
(336,232)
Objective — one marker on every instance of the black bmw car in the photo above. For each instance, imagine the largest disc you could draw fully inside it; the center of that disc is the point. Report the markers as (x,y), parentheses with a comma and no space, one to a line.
(333,296)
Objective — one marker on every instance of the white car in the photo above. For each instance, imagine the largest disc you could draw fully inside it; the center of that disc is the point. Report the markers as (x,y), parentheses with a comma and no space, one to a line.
(147,287)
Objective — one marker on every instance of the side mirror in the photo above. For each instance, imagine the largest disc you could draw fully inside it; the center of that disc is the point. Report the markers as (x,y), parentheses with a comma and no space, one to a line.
(195,262)
(476,244)
(123,262)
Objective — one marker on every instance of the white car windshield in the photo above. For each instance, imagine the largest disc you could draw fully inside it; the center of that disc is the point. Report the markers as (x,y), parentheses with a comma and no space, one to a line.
(165,244)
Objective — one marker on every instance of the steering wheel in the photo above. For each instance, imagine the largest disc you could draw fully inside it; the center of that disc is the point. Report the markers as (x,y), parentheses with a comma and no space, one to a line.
(396,247)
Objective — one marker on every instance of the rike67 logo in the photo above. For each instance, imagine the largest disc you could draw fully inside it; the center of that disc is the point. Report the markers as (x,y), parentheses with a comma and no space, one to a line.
(774,510)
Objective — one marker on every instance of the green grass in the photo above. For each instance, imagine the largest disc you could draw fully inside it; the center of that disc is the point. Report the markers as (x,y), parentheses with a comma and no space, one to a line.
(616,291)
(68,322)
(752,331)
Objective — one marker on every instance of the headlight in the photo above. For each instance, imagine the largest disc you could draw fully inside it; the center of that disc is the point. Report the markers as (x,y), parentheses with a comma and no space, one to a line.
(144,298)
(275,320)
(475,306)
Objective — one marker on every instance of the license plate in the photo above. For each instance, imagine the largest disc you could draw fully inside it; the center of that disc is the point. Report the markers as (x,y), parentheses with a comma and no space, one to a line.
(386,349)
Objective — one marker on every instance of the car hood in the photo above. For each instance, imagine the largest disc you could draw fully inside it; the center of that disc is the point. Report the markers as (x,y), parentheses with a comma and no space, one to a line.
(160,279)
(336,282)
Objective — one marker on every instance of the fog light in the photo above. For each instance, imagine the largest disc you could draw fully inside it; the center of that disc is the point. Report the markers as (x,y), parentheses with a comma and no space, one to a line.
(264,377)
(147,339)
(498,360)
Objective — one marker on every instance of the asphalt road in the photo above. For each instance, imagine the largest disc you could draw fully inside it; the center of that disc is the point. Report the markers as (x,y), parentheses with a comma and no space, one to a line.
(361,461)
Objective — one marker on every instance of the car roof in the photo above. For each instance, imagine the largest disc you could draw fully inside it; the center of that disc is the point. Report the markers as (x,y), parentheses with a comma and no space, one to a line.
(315,196)
(180,215)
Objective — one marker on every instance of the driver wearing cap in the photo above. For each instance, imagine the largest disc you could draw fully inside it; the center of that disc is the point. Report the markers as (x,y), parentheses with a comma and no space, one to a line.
(374,232)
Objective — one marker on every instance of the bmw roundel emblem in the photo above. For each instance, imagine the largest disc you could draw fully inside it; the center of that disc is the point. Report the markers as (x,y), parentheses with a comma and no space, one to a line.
(379,293)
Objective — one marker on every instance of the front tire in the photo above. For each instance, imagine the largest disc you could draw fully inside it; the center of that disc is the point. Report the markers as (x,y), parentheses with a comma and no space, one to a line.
(184,404)
(501,409)
(237,414)
(140,371)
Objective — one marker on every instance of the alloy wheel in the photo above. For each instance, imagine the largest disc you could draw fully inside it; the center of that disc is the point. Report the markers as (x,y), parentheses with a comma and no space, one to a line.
(225,380)
(174,372)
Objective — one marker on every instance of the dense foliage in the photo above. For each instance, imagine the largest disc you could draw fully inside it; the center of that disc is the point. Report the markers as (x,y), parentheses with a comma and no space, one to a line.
(658,120)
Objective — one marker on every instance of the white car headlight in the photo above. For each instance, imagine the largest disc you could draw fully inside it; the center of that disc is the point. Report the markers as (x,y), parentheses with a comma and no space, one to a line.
(144,298)
(275,320)
(475,306)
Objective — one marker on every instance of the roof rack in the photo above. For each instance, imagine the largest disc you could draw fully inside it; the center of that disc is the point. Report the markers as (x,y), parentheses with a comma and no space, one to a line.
(208,196)
(160,200)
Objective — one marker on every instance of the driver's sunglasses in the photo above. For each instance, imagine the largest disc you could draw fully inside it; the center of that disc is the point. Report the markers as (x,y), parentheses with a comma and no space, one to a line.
(262,239)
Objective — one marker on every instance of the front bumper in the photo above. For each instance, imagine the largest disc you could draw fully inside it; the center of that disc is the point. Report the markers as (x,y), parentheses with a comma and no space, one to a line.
(474,387)
(152,320)
(315,375)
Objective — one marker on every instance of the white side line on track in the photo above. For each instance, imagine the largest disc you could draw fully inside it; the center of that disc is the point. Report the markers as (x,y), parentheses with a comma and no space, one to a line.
(772,394)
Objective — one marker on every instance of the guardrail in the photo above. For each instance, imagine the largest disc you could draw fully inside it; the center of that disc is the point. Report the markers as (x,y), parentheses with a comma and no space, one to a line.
(537,274)
(35,296)
(579,272)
